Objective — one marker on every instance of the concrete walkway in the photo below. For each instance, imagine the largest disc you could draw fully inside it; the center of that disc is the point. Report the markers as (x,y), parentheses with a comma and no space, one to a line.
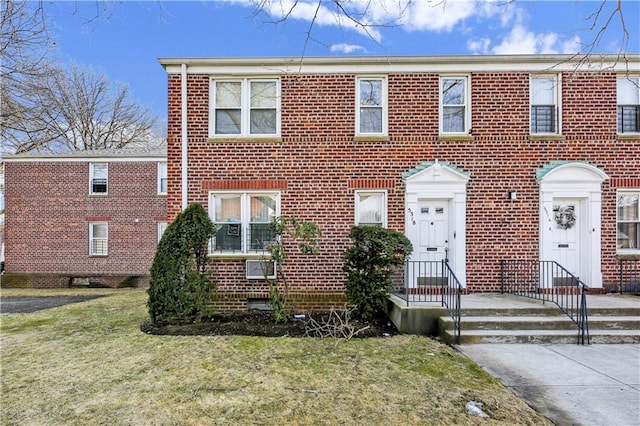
(570,384)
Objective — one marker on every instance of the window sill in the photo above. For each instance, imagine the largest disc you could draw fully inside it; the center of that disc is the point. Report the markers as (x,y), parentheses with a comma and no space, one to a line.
(245,139)
(239,256)
(99,195)
(371,138)
(628,136)
(455,137)
(547,137)
(631,254)
(98,255)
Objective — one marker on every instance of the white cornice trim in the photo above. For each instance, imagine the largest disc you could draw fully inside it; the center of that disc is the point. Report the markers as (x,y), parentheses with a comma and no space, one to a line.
(388,64)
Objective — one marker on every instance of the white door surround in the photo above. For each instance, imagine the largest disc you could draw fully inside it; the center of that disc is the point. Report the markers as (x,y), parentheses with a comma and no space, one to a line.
(439,183)
(563,185)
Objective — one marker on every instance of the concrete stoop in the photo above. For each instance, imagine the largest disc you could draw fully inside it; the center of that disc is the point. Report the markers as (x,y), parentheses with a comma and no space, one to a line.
(543,324)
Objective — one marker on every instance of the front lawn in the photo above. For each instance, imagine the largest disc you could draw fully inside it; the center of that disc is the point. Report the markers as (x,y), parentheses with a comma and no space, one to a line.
(89,363)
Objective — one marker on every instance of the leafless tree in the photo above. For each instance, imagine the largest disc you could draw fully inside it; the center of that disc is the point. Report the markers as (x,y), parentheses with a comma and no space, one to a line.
(46,107)
(75,109)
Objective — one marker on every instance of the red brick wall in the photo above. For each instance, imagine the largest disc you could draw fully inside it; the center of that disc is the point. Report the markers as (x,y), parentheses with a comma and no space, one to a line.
(48,213)
(319,159)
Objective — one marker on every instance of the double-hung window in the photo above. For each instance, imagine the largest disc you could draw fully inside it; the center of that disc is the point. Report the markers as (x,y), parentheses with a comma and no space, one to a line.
(371,112)
(371,208)
(628,220)
(545,104)
(242,221)
(628,105)
(245,107)
(99,174)
(162,178)
(455,116)
(98,239)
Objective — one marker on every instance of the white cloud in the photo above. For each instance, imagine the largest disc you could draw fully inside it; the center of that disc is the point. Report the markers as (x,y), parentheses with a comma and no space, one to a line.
(370,17)
(346,48)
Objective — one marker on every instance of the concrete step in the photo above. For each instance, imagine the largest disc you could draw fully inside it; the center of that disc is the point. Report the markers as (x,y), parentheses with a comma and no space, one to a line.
(542,323)
(542,336)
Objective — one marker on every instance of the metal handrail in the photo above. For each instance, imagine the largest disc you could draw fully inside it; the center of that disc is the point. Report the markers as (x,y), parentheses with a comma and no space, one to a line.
(548,281)
(432,281)
(451,297)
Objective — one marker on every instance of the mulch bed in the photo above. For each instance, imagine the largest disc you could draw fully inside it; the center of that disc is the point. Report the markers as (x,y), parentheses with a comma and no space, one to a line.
(261,323)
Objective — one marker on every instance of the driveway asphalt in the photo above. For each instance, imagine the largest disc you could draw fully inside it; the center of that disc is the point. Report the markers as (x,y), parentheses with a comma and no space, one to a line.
(570,384)
(19,305)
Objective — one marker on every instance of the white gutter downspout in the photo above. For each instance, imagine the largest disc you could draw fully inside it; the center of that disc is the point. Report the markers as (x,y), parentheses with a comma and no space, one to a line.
(183,163)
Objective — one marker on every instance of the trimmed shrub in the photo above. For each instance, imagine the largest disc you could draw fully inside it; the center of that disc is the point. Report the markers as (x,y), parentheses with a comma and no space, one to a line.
(179,289)
(369,264)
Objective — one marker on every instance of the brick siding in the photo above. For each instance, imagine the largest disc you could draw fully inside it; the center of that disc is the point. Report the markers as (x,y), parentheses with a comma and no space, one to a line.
(319,164)
(47,223)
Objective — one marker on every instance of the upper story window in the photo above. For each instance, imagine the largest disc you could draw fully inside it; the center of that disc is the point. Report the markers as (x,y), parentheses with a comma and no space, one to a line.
(162,178)
(99,175)
(628,104)
(98,239)
(545,104)
(455,103)
(242,221)
(371,208)
(371,113)
(628,220)
(245,107)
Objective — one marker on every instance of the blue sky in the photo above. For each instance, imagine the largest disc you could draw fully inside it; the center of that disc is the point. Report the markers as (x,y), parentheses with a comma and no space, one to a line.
(125,39)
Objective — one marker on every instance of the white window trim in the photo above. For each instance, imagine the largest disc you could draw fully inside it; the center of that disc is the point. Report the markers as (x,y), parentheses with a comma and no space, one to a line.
(244,219)
(245,106)
(162,227)
(385,105)
(385,209)
(91,177)
(467,103)
(91,238)
(630,76)
(623,251)
(557,98)
(166,175)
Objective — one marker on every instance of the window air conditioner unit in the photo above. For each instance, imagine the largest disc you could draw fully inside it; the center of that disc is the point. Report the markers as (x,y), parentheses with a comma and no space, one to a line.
(260,269)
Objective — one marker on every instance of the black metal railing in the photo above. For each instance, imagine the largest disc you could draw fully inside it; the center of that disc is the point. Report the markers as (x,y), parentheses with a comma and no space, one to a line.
(431,281)
(629,276)
(548,281)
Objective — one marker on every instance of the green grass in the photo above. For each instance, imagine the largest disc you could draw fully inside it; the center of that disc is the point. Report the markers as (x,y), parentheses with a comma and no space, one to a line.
(88,363)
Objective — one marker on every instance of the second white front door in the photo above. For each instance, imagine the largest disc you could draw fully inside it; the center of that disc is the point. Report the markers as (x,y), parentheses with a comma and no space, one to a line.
(566,227)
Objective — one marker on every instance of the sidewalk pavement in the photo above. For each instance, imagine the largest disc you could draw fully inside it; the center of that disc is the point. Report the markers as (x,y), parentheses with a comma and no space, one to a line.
(570,384)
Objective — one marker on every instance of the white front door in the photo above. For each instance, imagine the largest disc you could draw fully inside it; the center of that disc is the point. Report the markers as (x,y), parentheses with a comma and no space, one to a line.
(566,227)
(434,225)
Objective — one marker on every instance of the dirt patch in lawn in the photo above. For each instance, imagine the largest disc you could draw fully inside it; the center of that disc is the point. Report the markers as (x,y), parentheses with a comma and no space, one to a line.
(261,323)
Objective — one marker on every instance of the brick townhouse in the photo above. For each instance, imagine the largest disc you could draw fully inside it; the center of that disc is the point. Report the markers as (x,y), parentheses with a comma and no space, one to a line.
(474,158)
(84,218)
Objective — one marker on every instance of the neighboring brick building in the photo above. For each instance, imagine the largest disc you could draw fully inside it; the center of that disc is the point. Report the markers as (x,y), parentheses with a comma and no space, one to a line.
(84,218)
(477,158)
